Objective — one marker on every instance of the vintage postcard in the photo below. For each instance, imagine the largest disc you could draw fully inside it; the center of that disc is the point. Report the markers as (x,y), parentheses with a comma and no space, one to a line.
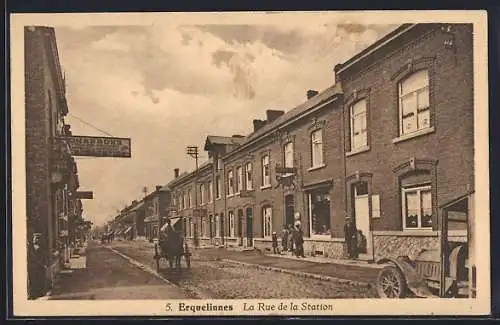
(221,164)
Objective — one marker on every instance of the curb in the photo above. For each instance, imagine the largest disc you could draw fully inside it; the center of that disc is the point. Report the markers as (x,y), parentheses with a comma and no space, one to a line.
(156,274)
(302,274)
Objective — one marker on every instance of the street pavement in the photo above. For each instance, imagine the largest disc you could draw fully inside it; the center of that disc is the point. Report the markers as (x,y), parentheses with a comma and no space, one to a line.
(210,276)
(110,276)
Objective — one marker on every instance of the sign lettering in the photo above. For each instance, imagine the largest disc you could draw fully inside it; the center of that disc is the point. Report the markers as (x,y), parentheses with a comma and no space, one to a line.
(99,146)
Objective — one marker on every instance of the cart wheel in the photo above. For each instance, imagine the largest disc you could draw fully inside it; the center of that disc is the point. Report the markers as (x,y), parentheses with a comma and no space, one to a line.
(391,283)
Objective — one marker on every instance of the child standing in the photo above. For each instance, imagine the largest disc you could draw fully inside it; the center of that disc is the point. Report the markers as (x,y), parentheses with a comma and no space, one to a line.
(276,249)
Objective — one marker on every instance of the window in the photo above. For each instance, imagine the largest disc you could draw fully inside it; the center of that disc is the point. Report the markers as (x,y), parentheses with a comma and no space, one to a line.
(319,212)
(191,227)
(230,183)
(317,148)
(249,179)
(288,149)
(414,112)
(217,187)
(183,201)
(267,221)
(358,125)
(417,207)
(189,198)
(211,228)
(239,179)
(202,226)
(210,191)
(231,224)
(376,206)
(202,193)
(156,208)
(266,171)
(218,165)
(217,226)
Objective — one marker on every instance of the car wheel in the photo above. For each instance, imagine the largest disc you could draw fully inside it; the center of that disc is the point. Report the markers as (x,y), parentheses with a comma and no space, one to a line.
(391,283)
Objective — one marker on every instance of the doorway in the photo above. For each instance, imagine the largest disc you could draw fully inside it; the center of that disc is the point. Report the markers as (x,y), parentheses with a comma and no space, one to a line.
(249,227)
(289,210)
(240,227)
(362,215)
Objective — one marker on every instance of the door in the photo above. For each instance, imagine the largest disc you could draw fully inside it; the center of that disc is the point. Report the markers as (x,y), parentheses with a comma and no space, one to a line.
(289,210)
(362,213)
(249,227)
(240,228)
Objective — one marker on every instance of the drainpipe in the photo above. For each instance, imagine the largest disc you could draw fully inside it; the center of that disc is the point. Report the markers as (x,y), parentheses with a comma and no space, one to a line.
(344,161)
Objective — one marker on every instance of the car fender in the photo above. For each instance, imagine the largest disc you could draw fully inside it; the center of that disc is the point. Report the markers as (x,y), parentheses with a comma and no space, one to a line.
(415,283)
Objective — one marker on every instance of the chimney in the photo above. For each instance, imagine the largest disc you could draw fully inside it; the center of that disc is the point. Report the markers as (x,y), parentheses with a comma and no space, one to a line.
(134,202)
(257,124)
(158,187)
(311,93)
(273,114)
(176,172)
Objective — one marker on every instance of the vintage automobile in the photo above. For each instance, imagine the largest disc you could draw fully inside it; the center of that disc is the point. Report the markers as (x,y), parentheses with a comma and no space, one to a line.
(448,271)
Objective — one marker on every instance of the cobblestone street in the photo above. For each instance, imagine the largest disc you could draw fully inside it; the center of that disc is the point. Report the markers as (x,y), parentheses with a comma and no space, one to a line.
(209,277)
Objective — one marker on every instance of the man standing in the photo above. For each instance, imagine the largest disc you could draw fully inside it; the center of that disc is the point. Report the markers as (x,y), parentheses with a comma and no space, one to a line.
(284,238)
(299,241)
(351,233)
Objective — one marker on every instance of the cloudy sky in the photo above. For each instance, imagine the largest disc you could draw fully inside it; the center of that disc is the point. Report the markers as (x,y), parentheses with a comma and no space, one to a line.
(170,86)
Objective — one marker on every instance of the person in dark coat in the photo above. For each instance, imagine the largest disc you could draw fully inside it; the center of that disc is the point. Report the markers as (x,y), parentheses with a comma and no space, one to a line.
(291,236)
(351,235)
(284,238)
(274,238)
(299,241)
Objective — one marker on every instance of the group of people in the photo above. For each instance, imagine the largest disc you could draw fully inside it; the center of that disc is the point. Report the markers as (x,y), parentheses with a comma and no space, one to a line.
(355,239)
(292,240)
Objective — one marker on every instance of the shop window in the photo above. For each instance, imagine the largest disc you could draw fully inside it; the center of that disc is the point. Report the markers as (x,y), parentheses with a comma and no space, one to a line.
(358,125)
(267,221)
(414,108)
(417,207)
(319,212)
(317,149)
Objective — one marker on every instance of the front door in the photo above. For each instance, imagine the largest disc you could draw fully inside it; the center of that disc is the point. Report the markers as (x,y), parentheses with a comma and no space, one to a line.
(362,214)
(249,228)
(289,210)
(240,227)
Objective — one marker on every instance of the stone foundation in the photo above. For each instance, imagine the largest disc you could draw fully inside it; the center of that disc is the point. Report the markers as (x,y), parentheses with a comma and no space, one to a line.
(328,248)
(401,244)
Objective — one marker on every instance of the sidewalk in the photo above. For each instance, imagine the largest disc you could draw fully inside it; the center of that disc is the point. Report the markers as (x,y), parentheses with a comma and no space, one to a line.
(321,268)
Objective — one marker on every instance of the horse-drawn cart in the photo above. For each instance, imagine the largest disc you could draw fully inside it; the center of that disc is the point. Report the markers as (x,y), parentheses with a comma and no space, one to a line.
(172,248)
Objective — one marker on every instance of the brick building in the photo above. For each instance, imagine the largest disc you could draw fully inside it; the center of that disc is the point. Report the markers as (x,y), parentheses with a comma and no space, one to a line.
(157,209)
(51,172)
(389,144)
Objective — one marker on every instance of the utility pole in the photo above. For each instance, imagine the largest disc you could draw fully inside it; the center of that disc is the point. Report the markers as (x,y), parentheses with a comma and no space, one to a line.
(193,152)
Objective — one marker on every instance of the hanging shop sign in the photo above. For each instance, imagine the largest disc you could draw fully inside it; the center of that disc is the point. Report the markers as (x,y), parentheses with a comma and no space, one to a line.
(84,195)
(99,146)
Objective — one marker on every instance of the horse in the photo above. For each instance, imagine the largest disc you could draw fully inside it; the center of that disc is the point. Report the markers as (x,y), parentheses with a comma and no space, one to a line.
(173,249)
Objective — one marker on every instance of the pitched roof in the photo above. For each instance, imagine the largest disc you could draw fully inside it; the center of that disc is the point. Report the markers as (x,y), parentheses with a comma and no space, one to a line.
(216,139)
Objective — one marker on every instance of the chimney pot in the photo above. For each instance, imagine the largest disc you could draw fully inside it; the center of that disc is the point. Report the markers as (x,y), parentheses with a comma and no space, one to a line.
(272,114)
(176,172)
(257,124)
(311,93)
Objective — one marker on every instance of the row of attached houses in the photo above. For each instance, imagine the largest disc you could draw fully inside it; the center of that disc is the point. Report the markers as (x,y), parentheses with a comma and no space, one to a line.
(387,145)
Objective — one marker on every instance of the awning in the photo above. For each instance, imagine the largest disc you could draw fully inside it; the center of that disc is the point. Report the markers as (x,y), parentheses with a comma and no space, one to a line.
(128,229)
(173,221)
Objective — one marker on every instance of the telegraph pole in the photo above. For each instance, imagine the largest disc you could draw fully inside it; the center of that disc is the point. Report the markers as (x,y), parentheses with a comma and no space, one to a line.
(193,152)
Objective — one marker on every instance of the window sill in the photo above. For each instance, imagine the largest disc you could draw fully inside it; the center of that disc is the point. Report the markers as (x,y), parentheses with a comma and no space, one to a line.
(413,135)
(357,151)
(265,187)
(316,167)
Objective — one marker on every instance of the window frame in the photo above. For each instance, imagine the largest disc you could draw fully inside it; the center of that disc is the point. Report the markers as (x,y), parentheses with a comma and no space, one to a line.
(232,229)
(310,212)
(352,118)
(289,149)
(249,188)
(230,182)
(218,188)
(415,112)
(263,170)
(264,221)
(202,193)
(425,187)
(315,164)
(239,179)
(210,191)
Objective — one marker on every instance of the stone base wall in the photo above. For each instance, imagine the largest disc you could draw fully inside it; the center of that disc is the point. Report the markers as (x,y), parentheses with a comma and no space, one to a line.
(399,245)
(312,247)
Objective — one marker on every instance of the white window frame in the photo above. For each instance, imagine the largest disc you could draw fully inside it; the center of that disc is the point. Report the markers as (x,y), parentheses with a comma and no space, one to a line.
(239,179)
(288,150)
(232,232)
(317,146)
(415,110)
(210,192)
(230,183)
(218,188)
(418,189)
(266,180)
(202,194)
(249,176)
(267,225)
(363,116)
